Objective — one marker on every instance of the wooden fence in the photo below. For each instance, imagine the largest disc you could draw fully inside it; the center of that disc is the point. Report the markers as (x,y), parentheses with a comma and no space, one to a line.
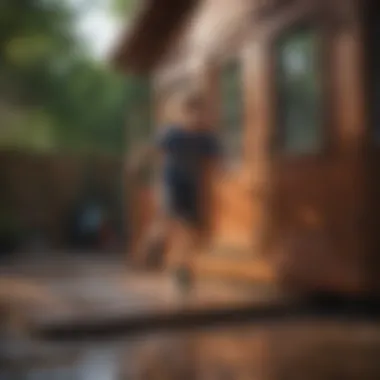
(42,191)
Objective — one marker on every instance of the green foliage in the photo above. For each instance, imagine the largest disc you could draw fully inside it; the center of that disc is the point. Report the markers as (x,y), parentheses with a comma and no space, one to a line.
(232,109)
(52,94)
(124,8)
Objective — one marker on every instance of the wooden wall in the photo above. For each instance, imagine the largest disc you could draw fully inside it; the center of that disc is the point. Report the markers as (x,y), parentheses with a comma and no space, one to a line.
(318,204)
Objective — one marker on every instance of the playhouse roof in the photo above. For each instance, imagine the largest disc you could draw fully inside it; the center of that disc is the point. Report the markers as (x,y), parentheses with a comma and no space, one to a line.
(147,38)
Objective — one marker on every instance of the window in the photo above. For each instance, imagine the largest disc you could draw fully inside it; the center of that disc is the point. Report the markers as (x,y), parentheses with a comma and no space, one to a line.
(299,122)
(232,109)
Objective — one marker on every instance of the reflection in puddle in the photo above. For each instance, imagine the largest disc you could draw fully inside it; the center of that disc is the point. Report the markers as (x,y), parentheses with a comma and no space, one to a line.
(320,351)
(98,364)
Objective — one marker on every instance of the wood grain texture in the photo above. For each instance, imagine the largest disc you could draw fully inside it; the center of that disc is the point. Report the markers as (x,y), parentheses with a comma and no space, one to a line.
(278,352)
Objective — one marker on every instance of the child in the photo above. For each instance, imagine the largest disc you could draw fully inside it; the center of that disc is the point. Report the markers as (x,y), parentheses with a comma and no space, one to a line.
(186,149)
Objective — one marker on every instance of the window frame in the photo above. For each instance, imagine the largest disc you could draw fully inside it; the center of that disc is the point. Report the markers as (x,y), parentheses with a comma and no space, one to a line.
(324,76)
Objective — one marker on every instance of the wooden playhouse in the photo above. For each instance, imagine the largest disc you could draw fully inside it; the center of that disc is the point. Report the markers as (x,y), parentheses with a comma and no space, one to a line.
(292,87)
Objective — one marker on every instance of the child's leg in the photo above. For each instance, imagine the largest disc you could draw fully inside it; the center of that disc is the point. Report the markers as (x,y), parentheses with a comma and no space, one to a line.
(183,207)
(183,250)
(156,233)
(187,243)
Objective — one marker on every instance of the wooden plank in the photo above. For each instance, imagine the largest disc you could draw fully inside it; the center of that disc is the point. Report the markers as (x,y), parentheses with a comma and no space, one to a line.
(256,313)
(244,270)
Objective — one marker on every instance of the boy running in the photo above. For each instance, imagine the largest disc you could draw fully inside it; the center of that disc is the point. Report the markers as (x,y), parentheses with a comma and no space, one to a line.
(186,149)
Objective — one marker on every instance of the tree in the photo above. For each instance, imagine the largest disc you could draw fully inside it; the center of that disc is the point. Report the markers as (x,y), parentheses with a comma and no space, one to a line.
(53,95)
(34,36)
(124,8)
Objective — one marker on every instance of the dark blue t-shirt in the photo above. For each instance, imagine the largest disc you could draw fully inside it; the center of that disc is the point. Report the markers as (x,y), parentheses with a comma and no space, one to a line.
(184,154)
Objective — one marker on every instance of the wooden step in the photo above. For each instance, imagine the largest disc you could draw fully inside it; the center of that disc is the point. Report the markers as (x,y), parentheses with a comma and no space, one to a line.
(233,251)
(235,269)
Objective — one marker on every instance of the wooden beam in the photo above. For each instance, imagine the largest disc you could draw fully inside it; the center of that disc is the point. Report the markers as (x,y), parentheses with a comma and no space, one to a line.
(243,270)
(154,31)
(282,310)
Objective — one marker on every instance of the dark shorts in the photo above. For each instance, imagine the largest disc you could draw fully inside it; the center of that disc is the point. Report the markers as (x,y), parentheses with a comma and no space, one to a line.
(182,202)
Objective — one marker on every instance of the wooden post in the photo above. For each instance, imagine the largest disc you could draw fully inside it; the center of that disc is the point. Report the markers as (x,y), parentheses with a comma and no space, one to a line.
(259,110)
(209,80)
(209,86)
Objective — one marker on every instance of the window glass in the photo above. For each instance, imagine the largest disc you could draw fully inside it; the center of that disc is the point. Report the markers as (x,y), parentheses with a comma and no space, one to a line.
(299,124)
(232,109)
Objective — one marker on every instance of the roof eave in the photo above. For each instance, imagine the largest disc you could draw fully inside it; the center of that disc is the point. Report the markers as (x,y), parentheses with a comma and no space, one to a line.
(147,40)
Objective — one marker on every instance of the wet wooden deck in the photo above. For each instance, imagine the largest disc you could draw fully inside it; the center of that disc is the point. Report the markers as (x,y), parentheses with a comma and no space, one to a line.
(271,350)
(294,351)
(84,292)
